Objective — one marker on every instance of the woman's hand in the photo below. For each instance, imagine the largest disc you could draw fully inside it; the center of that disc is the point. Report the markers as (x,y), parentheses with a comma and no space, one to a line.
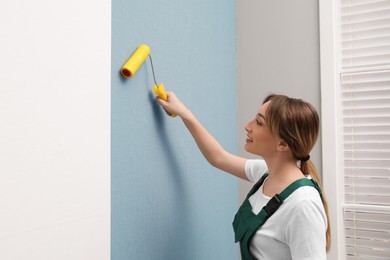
(173,105)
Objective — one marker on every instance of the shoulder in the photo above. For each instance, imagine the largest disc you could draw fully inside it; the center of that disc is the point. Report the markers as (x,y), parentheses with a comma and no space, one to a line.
(304,198)
(306,207)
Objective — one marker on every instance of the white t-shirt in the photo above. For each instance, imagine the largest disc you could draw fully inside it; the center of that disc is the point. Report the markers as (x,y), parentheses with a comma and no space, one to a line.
(296,230)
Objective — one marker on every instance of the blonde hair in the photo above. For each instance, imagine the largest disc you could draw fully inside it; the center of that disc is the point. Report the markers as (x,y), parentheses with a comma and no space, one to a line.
(297,123)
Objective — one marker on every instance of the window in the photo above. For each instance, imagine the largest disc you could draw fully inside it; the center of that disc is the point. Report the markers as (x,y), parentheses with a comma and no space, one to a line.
(355,65)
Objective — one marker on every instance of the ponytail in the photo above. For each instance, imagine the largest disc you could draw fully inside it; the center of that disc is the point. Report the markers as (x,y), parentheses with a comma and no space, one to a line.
(308,167)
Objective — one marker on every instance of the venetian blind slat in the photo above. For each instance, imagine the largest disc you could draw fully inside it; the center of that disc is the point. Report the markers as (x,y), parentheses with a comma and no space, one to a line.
(367,233)
(365,32)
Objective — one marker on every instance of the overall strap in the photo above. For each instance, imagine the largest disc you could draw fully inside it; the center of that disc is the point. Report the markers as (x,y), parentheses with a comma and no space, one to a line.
(299,183)
(257,185)
(277,200)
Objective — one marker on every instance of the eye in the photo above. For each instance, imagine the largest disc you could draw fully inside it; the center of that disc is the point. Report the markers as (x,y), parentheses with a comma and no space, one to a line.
(258,122)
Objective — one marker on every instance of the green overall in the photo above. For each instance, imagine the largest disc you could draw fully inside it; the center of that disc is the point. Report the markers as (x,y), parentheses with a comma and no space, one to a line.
(246,223)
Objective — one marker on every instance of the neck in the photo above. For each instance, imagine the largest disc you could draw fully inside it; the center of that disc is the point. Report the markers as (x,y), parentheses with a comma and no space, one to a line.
(281,173)
(283,169)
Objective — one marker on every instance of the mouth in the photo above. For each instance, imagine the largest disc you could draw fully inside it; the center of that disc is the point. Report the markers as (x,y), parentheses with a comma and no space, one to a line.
(249,140)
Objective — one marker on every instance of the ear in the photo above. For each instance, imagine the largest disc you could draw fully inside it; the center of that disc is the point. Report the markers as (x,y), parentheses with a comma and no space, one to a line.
(282,146)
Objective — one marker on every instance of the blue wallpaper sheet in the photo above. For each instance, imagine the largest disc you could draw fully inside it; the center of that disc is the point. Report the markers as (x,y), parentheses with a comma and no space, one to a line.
(167,201)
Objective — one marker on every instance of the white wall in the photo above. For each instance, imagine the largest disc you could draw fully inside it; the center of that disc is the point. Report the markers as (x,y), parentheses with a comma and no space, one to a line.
(55,129)
(277,52)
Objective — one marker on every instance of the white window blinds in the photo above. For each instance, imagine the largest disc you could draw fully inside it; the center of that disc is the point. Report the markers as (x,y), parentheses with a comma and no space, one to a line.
(365,33)
(365,95)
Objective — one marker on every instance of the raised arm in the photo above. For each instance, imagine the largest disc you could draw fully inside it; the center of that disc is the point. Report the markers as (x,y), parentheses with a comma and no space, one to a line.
(208,145)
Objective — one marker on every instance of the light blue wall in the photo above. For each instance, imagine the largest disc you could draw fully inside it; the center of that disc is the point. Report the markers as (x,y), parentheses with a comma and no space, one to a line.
(167,201)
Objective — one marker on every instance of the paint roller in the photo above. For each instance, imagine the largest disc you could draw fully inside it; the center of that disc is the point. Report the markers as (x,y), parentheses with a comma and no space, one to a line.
(135,61)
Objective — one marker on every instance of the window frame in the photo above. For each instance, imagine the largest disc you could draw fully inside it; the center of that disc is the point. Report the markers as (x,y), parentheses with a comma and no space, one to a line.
(332,156)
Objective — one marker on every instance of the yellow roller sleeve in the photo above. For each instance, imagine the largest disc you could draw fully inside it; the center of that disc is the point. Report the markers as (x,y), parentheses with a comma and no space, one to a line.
(160,92)
(135,61)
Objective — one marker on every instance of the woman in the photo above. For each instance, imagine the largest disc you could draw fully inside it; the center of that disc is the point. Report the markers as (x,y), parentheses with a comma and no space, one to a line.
(285,214)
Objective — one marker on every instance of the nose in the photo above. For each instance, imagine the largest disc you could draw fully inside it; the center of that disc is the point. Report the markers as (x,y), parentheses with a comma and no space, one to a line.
(247,128)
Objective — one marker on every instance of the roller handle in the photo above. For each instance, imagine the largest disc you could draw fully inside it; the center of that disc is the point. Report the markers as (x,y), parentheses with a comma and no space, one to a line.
(160,92)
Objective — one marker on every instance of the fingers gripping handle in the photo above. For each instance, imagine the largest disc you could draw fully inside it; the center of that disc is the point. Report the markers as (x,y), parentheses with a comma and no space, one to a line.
(160,92)
(133,64)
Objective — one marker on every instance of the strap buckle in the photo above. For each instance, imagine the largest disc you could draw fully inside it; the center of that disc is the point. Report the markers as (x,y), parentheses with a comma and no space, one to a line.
(273,204)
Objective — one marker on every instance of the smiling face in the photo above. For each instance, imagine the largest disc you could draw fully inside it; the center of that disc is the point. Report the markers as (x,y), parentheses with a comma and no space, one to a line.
(260,140)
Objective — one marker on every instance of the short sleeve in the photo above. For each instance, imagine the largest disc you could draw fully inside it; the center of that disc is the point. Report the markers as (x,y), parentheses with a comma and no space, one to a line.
(306,230)
(254,169)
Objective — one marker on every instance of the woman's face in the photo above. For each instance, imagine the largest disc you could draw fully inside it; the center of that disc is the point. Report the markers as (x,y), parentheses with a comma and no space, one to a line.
(259,139)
